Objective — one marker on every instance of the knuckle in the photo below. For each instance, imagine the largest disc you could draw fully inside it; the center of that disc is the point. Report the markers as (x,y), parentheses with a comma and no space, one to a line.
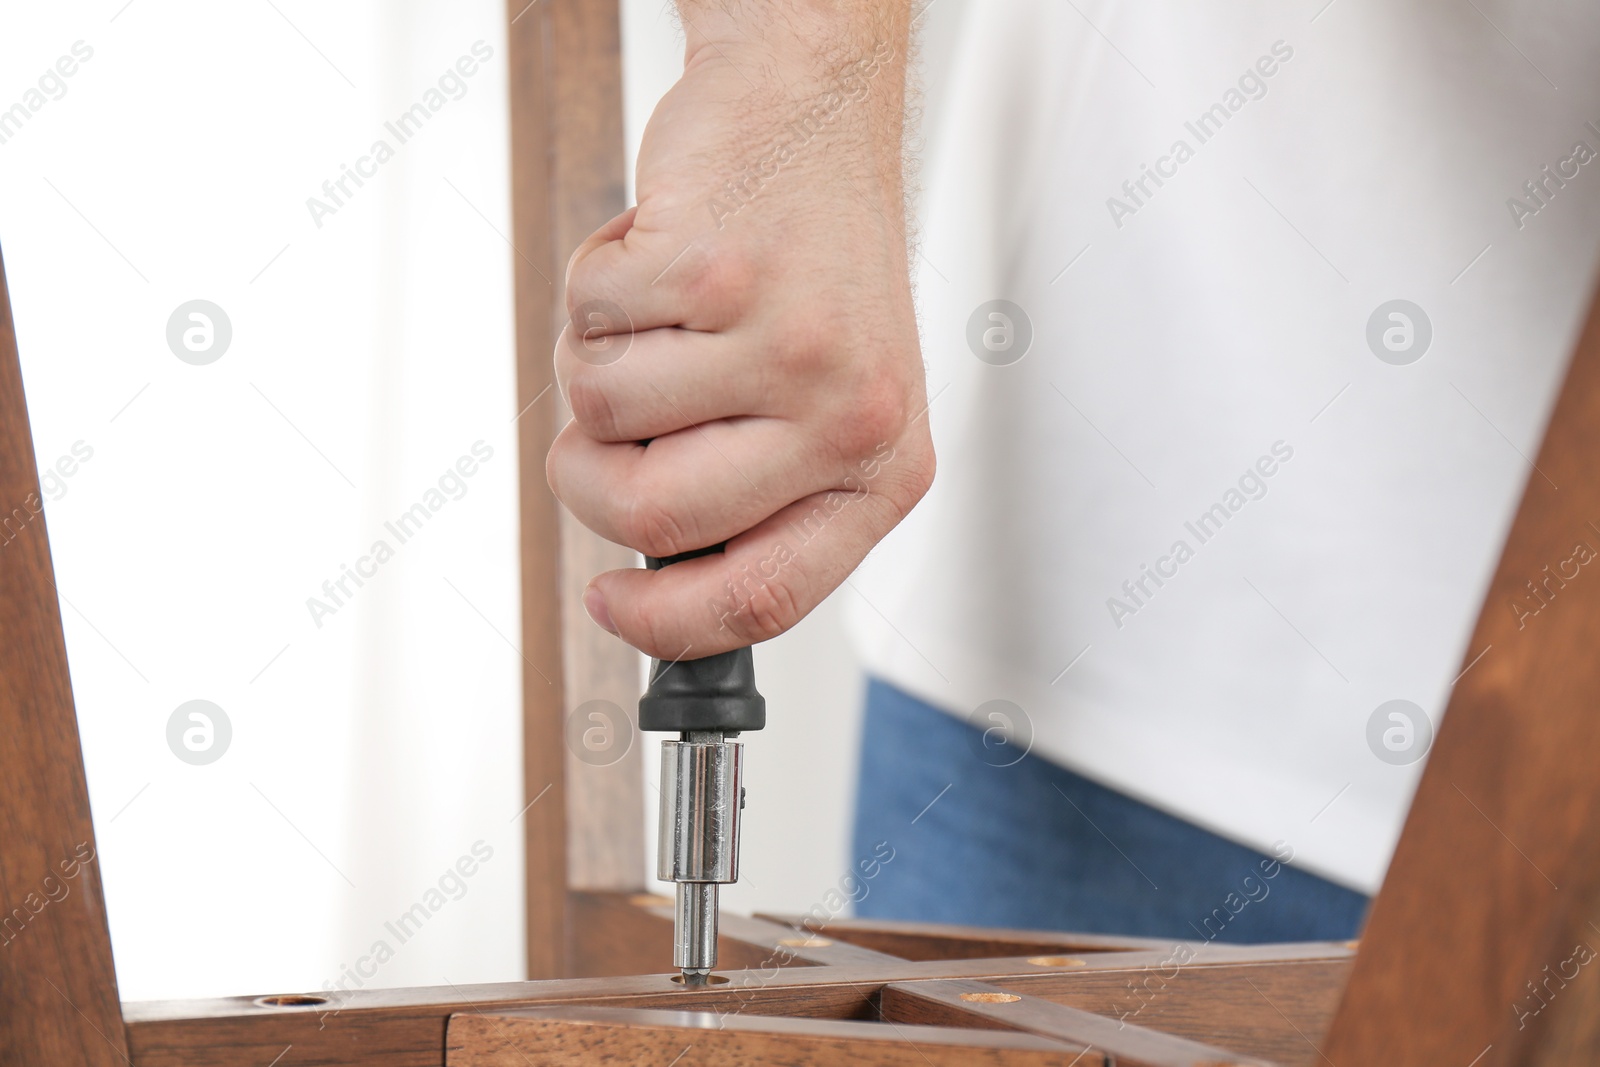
(592,408)
(651,527)
(921,466)
(912,475)
(879,411)
(715,286)
(585,282)
(771,610)
(555,462)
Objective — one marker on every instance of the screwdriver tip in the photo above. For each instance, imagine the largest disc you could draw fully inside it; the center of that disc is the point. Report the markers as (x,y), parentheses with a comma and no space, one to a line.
(692,976)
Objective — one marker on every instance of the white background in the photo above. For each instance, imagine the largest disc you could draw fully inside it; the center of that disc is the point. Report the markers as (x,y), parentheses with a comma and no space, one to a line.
(371,753)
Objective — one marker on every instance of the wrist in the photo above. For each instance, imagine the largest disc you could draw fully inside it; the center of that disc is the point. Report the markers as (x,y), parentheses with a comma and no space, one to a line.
(812,69)
(799,45)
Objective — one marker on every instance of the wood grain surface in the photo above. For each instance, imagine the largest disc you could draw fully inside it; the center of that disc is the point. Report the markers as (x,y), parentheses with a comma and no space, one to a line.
(970,1003)
(544,758)
(584,1036)
(605,800)
(585,826)
(1275,1011)
(1497,867)
(939,941)
(58,991)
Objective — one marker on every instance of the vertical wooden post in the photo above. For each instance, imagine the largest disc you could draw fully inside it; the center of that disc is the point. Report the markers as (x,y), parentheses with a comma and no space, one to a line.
(585,831)
(1493,887)
(58,990)
(605,802)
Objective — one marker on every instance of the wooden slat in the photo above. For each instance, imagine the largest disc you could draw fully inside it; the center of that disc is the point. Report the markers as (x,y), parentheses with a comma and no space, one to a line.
(1497,867)
(583,1036)
(58,989)
(405,1027)
(605,803)
(956,1003)
(937,941)
(543,752)
(587,831)
(1275,1011)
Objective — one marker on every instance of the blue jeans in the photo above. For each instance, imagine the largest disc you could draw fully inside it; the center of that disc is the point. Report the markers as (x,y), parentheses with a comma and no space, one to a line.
(1035,846)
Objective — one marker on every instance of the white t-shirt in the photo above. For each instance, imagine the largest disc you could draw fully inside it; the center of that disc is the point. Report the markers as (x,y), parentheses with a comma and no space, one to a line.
(1199,206)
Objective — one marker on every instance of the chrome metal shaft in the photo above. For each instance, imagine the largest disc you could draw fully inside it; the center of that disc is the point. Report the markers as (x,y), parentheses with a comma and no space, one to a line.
(694,928)
(698,841)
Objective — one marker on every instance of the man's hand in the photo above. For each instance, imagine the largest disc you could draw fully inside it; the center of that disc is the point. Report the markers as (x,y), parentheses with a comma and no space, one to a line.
(742,360)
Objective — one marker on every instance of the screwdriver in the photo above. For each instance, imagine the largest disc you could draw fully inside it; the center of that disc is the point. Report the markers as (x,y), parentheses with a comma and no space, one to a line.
(707,702)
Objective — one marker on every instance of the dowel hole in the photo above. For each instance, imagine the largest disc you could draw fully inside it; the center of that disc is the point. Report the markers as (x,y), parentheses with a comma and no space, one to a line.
(1057,961)
(805,942)
(290,1000)
(710,979)
(990,998)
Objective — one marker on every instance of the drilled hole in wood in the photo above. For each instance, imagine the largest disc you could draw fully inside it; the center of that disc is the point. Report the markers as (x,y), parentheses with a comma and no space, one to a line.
(649,900)
(290,1000)
(710,979)
(1057,961)
(805,942)
(990,998)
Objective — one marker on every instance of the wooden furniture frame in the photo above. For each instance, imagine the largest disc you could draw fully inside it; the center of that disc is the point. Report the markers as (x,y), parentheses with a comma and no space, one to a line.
(1475,951)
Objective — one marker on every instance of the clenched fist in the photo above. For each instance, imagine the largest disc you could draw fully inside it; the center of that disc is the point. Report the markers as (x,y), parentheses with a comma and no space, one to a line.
(742,360)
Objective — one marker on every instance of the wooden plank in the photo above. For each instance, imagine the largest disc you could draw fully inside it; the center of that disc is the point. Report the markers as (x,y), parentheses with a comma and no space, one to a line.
(587,829)
(544,759)
(956,1003)
(1275,1011)
(937,941)
(1497,865)
(582,1036)
(405,1027)
(605,800)
(58,989)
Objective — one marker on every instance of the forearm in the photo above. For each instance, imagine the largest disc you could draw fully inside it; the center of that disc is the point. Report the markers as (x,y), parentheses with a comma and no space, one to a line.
(824,79)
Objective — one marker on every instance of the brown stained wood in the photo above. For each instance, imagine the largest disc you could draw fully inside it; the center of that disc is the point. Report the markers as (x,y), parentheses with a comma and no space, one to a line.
(932,941)
(58,990)
(621,934)
(1275,1011)
(577,1036)
(1497,862)
(958,1003)
(405,1027)
(605,798)
(543,722)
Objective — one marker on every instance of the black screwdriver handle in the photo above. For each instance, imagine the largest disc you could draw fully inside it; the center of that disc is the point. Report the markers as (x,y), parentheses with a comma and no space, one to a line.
(714,693)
